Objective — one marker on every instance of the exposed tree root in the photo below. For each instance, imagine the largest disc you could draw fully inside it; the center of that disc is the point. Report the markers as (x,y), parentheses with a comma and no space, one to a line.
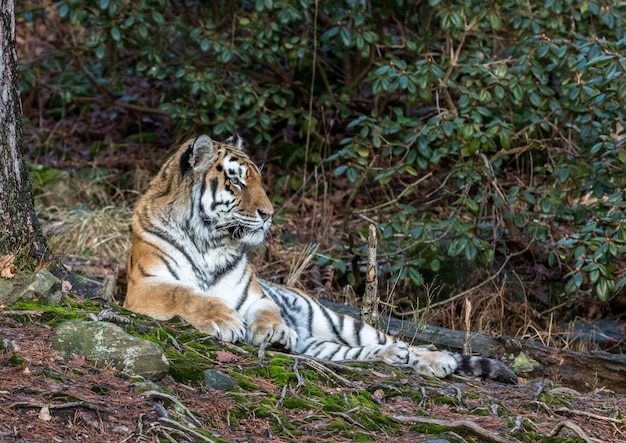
(466,425)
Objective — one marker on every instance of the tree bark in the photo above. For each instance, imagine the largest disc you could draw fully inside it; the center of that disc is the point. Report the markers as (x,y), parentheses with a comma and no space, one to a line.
(20,232)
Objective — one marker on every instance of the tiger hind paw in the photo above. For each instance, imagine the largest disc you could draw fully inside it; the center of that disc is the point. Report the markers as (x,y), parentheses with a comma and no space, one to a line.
(432,363)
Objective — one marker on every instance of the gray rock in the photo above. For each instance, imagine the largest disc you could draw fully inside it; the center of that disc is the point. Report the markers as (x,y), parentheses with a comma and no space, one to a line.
(41,285)
(216,379)
(104,343)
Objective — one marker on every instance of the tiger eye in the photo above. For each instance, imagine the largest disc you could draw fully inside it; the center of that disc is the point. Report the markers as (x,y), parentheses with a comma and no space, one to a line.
(219,168)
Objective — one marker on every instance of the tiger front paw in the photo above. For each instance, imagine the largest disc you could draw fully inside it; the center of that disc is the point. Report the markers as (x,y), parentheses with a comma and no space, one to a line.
(261,332)
(228,326)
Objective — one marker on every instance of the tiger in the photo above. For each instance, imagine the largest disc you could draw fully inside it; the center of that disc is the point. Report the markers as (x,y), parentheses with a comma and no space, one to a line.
(192,229)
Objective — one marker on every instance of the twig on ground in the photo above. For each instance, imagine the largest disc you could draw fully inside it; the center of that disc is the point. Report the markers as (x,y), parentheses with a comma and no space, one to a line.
(568,411)
(574,427)
(457,424)
(180,427)
(283,394)
(73,404)
(349,419)
(324,366)
(162,396)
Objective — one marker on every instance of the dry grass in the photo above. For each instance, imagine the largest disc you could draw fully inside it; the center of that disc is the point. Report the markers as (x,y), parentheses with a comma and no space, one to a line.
(103,233)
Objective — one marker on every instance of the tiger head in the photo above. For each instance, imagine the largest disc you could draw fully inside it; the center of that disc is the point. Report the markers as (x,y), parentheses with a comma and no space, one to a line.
(227,190)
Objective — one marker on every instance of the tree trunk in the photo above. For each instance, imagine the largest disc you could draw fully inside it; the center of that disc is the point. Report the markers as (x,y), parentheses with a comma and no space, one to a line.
(20,233)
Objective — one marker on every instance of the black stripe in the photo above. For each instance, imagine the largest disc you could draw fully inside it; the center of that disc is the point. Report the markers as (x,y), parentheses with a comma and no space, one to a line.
(485,366)
(328,314)
(184,163)
(169,266)
(143,272)
(163,235)
(219,273)
(244,295)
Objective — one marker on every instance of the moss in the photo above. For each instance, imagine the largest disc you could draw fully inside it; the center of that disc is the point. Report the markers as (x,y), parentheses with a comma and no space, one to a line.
(279,374)
(445,400)
(100,389)
(55,314)
(244,382)
(16,360)
(185,370)
(298,402)
(429,429)
(521,363)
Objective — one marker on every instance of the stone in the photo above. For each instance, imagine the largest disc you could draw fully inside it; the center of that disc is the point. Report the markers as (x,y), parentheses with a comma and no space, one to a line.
(41,285)
(216,379)
(103,343)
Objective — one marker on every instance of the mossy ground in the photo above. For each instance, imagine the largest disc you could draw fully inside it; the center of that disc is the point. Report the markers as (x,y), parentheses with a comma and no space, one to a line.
(280,397)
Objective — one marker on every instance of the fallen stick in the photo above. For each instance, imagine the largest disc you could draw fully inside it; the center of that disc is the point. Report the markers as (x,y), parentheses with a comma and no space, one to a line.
(465,425)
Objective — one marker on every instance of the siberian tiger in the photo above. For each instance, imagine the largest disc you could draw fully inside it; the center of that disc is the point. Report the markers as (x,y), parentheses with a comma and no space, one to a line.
(192,228)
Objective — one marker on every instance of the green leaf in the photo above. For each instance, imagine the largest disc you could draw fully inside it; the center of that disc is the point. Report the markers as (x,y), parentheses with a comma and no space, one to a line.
(346,38)
(63,10)
(470,252)
(115,33)
(435,265)
(471,205)
(573,283)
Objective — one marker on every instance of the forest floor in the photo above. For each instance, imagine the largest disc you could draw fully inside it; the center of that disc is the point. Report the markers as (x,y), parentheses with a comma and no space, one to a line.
(276,397)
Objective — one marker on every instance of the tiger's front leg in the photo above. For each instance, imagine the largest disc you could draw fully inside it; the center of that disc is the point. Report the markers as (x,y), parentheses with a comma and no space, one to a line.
(210,315)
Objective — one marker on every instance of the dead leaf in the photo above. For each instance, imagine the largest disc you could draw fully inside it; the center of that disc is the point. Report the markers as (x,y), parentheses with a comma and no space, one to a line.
(78,360)
(44,414)
(226,357)
(378,395)
(7,268)
(66,286)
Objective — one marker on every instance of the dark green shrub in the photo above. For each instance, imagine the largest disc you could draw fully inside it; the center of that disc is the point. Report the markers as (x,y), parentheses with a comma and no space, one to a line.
(477,128)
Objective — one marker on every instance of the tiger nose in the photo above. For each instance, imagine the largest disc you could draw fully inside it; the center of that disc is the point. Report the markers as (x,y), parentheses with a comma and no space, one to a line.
(264,214)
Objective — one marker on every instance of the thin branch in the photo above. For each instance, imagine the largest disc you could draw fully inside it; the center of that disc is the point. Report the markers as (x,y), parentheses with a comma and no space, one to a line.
(454,58)
(73,404)
(574,427)
(393,201)
(129,106)
(163,396)
(369,309)
(567,411)
(180,427)
(307,144)
(470,290)
(466,425)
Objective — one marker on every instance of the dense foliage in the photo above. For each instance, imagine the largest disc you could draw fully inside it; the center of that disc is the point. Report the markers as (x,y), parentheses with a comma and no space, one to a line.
(478,130)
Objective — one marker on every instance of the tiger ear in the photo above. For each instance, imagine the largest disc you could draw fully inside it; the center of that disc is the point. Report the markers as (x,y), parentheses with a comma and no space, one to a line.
(236,141)
(198,154)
